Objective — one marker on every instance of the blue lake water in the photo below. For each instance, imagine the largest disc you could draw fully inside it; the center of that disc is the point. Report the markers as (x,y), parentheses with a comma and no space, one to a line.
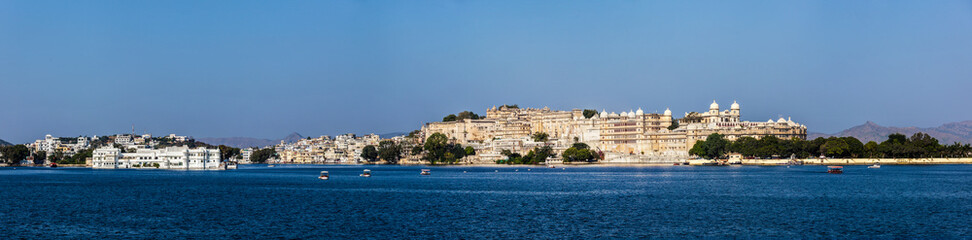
(479,202)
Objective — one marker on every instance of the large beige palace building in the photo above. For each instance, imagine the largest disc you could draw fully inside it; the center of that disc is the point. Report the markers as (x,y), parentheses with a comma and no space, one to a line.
(632,136)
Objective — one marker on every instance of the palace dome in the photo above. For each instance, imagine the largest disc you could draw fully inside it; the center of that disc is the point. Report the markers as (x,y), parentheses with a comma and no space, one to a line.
(714,105)
(668,112)
(640,112)
(735,106)
(603,113)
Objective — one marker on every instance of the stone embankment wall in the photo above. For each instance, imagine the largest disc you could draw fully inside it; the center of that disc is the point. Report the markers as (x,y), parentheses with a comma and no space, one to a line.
(861,161)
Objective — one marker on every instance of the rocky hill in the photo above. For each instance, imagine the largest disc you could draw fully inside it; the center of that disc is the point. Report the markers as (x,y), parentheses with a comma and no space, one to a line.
(946,133)
(4,143)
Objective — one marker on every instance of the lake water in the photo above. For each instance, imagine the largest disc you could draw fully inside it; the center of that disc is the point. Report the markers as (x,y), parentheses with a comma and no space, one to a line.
(478,202)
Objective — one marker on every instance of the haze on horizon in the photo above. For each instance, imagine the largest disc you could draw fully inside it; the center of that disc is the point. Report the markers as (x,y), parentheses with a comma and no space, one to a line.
(267,68)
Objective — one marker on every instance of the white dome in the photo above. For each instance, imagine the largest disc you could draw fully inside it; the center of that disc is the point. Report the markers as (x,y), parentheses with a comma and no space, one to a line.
(631,114)
(735,106)
(770,121)
(603,113)
(714,105)
(614,114)
(782,120)
(640,112)
(668,112)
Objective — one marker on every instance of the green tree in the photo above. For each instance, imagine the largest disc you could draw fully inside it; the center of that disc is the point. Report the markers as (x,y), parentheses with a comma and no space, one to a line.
(871,149)
(580,146)
(468,115)
(14,154)
(540,137)
(713,147)
(854,147)
(389,151)
(588,113)
(262,155)
(470,151)
(227,152)
(436,147)
(449,118)
(369,153)
(579,154)
(835,147)
(40,157)
(674,124)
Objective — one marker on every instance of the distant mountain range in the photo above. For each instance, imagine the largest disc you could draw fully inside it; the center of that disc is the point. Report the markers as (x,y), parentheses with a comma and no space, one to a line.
(946,133)
(242,142)
(4,143)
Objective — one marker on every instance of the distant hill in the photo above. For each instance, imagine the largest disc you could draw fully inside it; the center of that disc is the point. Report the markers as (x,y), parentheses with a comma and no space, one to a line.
(946,133)
(391,135)
(242,142)
(4,143)
(293,137)
(239,142)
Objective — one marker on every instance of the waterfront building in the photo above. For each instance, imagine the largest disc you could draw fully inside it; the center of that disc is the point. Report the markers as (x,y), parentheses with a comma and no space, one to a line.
(180,158)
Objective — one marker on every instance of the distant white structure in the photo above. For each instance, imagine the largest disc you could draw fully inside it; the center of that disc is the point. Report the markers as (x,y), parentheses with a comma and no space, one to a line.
(179,158)
(68,146)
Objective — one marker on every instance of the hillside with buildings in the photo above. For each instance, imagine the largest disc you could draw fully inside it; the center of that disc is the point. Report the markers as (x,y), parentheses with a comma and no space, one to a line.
(946,133)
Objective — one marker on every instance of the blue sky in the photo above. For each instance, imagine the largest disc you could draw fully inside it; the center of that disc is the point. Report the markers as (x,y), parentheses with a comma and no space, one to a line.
(267,68)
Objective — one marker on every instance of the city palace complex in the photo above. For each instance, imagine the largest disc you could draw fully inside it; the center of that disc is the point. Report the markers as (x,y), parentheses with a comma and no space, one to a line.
(626,137)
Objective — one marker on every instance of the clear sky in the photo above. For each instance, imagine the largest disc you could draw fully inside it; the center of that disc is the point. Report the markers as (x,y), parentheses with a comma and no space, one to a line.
(267,68)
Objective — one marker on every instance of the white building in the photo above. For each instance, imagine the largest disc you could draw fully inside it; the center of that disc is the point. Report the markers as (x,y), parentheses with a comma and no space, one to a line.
(180,158)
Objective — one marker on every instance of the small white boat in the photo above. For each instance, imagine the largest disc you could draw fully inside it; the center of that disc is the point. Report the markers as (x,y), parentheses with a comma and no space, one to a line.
(366,173)
(324,176)
(271,165)
(874,166)
(551,166)
(426,172)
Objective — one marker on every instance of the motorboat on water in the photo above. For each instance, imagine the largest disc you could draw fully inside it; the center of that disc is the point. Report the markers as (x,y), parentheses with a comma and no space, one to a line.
(426,172)
(551,166)
(874,166)
(271,165)
(835,169)
(53,165)
(324,176)
(366,173)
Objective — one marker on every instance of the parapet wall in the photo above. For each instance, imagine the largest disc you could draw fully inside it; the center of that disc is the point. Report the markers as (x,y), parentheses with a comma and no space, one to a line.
(861,161)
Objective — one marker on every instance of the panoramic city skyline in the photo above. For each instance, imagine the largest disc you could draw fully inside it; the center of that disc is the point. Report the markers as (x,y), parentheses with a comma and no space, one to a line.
(258,69)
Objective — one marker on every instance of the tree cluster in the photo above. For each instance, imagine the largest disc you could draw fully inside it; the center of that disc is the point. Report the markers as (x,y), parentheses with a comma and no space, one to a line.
(438,150)
(12,155)
(261,155)
(674,124)
(536,156)
(387,150)
(540,137)
(227,152)
(580,152)
(589,113)
(461,116)
(77,158)
(919,145)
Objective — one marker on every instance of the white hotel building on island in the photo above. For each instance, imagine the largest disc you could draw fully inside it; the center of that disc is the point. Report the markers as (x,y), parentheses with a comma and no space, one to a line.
(177,158)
